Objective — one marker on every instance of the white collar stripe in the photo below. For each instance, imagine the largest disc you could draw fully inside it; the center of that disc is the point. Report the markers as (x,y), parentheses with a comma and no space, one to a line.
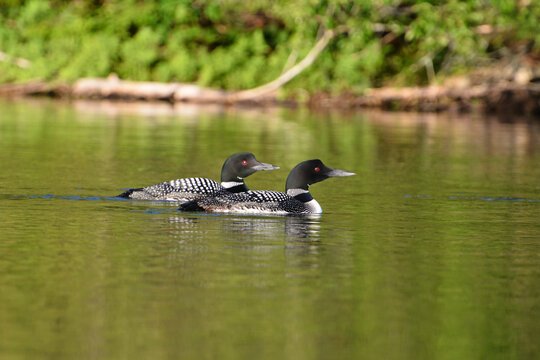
(231,184)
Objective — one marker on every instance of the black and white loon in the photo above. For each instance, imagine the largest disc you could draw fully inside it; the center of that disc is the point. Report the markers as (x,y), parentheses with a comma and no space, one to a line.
(297,200)
(237,167)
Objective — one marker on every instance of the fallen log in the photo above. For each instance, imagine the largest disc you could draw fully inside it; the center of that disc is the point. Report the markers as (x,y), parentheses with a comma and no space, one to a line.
(496,97)
(114,88)
(31,88)
(503,96)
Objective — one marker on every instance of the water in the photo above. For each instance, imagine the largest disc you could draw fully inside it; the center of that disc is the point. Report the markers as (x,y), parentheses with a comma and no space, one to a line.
(431,252)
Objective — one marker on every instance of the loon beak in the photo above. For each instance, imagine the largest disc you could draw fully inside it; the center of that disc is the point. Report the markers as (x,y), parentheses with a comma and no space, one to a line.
(338,173)
(262,166)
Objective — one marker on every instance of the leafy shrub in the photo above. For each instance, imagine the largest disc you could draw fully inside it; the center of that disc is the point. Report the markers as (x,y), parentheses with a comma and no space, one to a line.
(234,44)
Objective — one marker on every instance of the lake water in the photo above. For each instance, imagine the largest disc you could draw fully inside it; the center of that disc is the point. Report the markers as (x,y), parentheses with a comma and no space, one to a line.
(432,251)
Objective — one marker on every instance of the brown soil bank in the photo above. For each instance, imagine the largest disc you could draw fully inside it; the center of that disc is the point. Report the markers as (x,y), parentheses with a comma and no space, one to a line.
(504,89)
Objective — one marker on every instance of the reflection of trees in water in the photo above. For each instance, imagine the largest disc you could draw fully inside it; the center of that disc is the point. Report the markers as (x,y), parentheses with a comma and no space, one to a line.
(448,133)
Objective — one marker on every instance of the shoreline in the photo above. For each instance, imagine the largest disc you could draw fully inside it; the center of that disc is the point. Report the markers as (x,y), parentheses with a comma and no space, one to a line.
(505,97)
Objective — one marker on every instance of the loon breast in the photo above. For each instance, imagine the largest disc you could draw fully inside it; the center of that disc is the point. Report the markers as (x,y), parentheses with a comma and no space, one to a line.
(313,207)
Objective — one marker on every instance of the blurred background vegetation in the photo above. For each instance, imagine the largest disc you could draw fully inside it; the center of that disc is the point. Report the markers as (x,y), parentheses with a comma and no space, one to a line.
(234,44)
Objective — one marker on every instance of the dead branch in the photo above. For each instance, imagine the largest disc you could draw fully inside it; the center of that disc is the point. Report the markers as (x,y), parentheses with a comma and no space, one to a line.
(286,76)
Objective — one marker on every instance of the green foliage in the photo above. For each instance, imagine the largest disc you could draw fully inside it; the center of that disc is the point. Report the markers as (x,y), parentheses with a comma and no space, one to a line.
(139,54)
(234,44)
(95,57)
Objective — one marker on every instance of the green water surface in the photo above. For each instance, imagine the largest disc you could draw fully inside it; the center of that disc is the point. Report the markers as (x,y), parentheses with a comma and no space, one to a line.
(432,251)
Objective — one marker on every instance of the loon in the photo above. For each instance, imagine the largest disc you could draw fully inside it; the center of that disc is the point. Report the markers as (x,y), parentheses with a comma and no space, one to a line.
(234,170)
(296,200)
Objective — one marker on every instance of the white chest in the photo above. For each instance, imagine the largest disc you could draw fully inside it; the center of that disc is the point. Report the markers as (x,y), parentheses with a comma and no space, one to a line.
(314,207)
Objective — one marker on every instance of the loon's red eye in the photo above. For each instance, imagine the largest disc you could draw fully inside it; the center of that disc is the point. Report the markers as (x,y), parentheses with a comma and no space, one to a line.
(244,162)
(317,169)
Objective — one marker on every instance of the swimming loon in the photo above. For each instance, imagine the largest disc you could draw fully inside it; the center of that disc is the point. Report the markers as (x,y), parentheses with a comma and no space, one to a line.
(234,170)
(297,200)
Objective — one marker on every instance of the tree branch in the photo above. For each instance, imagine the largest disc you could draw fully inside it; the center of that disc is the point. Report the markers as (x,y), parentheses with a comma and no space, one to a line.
(286,76)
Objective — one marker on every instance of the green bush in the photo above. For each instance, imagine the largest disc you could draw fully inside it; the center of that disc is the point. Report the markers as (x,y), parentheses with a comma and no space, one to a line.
(234,44)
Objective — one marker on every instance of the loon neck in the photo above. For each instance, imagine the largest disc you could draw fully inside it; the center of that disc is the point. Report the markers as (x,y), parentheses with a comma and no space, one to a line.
(235,186)
(305,197)
(300,195)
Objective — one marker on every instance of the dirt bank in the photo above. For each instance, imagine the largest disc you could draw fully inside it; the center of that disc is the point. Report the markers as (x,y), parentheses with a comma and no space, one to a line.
(503,88)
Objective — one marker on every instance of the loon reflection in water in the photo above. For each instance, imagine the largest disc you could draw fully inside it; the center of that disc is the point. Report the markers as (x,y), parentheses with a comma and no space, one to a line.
(192,227)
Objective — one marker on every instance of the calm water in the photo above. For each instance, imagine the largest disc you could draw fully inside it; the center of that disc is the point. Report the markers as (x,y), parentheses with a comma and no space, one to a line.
(431,252)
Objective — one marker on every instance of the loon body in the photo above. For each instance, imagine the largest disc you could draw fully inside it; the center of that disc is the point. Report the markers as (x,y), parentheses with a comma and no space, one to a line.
(234,170)
(296,200)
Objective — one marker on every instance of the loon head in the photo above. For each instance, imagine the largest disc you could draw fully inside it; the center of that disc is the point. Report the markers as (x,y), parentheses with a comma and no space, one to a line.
(310,172)
(241,165)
